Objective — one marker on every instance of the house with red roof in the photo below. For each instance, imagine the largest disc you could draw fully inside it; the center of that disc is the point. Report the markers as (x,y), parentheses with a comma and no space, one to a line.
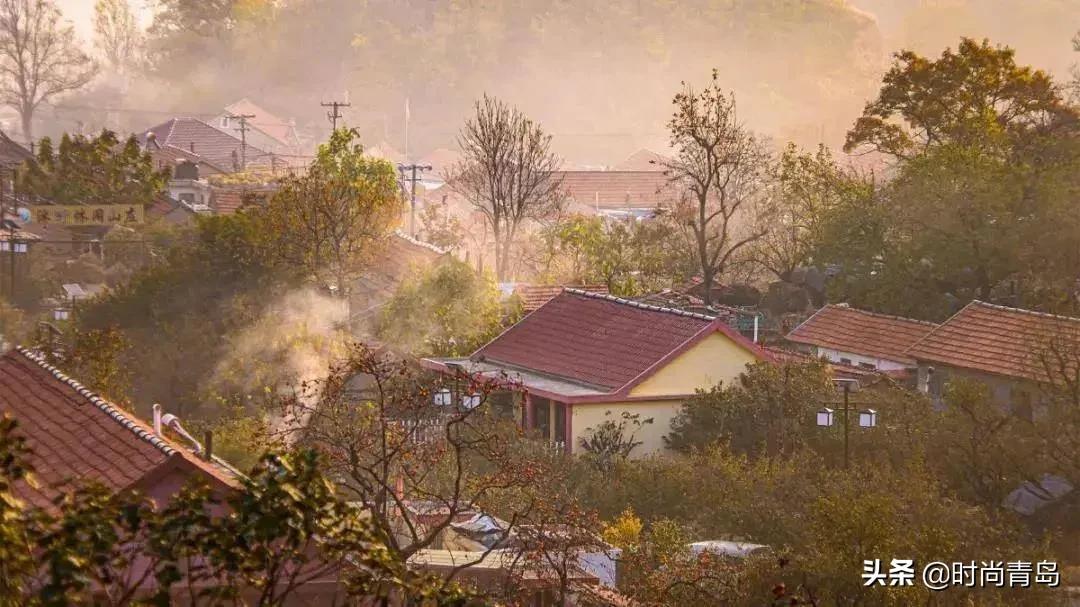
(1010,350)
(212,151)
(534,296)
(265,130)
(585,358)
(853,337)
(617,193)
(76,437)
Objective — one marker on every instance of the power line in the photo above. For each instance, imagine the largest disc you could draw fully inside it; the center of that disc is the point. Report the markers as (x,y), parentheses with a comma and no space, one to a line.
(334,114)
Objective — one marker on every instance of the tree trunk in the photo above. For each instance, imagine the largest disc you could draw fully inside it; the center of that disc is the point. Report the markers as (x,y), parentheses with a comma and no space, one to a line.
(27,115)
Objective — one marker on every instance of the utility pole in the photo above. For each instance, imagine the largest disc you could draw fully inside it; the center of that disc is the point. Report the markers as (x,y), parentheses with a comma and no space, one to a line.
(413,168)
(243,128)
(334,114)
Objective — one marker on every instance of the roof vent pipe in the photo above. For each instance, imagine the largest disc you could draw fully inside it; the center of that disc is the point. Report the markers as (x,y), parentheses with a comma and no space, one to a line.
(173,422)
(157,419)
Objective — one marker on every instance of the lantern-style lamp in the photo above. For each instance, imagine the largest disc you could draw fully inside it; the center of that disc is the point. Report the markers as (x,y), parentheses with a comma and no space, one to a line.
(825,417)
(868,418)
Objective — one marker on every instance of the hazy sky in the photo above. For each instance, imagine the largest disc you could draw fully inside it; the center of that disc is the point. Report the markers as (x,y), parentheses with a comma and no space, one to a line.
(81,12)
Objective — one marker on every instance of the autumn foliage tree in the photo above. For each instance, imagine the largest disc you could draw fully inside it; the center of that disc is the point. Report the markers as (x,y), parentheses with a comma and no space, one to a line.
(329,221)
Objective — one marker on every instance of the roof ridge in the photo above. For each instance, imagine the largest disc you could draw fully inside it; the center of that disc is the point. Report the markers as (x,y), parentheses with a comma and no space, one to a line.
(1024,311)
(638,304)
(844,306)
(420,243)
(108,408)
(979,302)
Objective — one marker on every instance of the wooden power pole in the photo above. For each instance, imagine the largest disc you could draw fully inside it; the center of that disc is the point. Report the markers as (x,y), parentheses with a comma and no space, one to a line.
(243,128)
(412,168)
(334,112)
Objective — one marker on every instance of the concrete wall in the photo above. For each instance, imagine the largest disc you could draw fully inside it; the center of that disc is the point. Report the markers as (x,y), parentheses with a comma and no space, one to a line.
(881,364)
(1010,393)
(586,416)
(712,360)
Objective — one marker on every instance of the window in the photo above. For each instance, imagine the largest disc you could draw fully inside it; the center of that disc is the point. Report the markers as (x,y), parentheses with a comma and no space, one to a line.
(845,361)
(224,122)
(188,198)
(470,401)
(870,366)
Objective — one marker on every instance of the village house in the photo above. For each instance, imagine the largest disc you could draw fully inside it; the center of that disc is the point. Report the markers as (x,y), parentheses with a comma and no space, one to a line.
(209,150)
(265,130)
(1011,351)
(77,437)
(583,358)
(854,337)
(619,194)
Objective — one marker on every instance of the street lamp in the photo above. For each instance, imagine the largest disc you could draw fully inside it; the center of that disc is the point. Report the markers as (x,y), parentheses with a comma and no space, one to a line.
(867,417)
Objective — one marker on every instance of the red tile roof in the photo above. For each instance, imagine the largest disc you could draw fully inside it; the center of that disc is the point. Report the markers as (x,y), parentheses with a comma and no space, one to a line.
(996,339)
(618,189)
(190,139)
(75,436)
(276,128)
(534,296)
(597,340)
(642,160)
(846,329)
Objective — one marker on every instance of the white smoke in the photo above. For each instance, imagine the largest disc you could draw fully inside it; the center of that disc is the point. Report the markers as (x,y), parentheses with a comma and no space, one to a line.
(285,353)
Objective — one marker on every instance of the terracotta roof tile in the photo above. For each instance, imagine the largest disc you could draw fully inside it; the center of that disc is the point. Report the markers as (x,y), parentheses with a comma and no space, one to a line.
(193,138)
(846,329)
(76,436)
(598,340)
(996,339)
(618,189)
(534,296)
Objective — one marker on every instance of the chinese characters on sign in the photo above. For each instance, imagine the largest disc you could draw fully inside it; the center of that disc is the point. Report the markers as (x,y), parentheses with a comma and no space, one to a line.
(88,215)
(938,575)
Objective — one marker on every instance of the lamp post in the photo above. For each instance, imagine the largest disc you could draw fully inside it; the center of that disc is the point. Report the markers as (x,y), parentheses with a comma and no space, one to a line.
(867,417)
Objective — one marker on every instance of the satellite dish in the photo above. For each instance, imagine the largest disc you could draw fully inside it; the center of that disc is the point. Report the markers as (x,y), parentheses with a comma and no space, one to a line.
(24,214)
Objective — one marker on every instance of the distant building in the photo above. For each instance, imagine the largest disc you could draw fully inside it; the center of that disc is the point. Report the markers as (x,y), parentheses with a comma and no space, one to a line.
(582,359)
(850,336)
(266,131)
(12,154)
(211,150)
(642,160)
(635,194)
(1000,347)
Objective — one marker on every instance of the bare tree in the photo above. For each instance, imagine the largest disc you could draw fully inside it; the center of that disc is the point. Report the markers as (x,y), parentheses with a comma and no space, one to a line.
(39,57)
(507,173)
(116,34)
(722,165)
(418,454)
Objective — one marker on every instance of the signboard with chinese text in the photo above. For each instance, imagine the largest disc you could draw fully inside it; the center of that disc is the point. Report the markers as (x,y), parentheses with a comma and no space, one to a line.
(88,214)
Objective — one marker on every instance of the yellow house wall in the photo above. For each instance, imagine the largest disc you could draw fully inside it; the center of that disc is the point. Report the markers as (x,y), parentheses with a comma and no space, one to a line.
(586,416)
(712,360)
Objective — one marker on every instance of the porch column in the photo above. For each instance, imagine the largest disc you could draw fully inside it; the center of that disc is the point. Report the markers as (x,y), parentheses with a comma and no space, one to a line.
(569,429)
(530,412)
